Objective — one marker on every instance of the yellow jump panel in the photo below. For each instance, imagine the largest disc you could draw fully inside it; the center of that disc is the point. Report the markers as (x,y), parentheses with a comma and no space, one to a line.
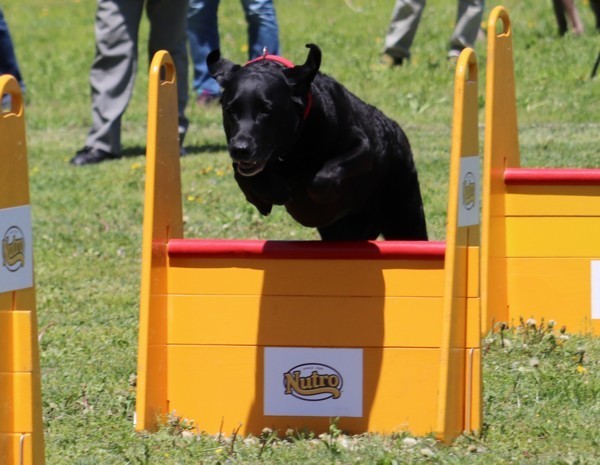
(232,394)
(540,227)
(567,301)
(254,334)
(21,434)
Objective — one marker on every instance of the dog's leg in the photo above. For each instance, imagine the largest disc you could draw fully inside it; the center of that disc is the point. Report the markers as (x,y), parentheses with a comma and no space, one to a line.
(356,227)
(263,190)
(401,212)
(326,185)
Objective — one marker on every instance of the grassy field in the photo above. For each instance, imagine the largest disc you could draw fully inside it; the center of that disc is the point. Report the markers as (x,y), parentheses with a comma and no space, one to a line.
(542,390)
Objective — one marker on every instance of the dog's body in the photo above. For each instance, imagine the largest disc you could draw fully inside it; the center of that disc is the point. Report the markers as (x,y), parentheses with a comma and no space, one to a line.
(298,138)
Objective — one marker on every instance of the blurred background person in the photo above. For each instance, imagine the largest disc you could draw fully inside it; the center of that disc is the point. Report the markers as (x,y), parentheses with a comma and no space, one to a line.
(114,68)
(566,14)
(403,26)
(8,58)
(203,36)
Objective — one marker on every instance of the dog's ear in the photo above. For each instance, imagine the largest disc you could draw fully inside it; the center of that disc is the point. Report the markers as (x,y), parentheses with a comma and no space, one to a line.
(220,68)
(300,77)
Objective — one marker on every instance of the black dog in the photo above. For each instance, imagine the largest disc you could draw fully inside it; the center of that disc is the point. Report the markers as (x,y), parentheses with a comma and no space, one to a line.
(298,138)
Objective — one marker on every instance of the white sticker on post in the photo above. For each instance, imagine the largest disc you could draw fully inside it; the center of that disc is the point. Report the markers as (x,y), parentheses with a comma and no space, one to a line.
(595,289)
(320,382)
(469,192)
(16,257)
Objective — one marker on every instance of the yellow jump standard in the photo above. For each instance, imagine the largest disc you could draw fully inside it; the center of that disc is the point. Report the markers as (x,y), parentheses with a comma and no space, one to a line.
(242,335)
(21,433)
(540,226)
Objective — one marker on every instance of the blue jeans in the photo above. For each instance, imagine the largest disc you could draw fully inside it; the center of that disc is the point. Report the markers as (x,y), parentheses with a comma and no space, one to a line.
(203,35)
(8,59)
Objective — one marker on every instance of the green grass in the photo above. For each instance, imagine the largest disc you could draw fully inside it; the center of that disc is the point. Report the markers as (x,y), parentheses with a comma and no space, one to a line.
(87,226)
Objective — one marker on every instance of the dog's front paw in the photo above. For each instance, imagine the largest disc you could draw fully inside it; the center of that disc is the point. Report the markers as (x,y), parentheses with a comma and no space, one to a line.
(324,189)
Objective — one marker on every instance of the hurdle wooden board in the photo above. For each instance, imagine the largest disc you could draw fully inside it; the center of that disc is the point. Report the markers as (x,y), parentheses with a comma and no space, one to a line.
(239,335)
(21,429)
(540,226)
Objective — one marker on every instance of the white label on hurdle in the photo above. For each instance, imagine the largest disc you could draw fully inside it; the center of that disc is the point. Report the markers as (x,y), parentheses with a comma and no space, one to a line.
(469,192)
(595,289)
(16,263)
(313,382)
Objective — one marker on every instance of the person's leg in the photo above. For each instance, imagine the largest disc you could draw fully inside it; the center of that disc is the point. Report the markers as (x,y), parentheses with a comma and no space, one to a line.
(468,23)
(113,70)
(403,28)
(559,14)
(203,36)
(573,15)
(8,59)
(263,29)
(168,31)
(595,5)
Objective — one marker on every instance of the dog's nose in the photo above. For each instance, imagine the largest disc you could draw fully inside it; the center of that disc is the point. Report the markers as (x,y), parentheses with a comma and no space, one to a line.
(240,151)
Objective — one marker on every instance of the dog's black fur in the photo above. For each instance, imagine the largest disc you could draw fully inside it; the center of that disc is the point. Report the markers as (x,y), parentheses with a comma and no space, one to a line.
(345,168)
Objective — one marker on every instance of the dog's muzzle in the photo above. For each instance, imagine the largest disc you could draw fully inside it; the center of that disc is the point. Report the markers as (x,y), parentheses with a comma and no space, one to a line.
(246,168)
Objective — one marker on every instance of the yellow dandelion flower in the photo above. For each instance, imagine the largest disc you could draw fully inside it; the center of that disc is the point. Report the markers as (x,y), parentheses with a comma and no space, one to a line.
(191,198)
(220,173)
(136,166)
(581,369)
(244,48)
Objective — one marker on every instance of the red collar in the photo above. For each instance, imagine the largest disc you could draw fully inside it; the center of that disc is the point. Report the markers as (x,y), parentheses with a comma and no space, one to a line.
(286,64)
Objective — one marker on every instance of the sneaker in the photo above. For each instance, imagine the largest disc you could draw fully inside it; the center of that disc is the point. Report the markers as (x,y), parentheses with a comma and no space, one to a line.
(206,99)
(390,61)
(89,155)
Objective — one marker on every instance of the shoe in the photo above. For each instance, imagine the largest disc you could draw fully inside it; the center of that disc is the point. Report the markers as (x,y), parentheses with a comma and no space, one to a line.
(182,131)
(89,155)
(390,61)
(206,99)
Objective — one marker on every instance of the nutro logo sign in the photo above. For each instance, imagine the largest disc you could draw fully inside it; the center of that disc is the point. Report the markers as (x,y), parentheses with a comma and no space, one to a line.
(16,251)
(469,192)
(13,249)
(313,381)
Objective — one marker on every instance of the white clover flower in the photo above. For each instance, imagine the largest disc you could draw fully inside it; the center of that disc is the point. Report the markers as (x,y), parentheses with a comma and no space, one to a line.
(409,442)
(427,452)
(531,322)
(344,442)
(534,362)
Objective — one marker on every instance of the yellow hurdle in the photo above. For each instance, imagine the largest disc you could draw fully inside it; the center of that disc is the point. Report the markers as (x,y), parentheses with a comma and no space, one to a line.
(21,429)
(540,226)
(237,335)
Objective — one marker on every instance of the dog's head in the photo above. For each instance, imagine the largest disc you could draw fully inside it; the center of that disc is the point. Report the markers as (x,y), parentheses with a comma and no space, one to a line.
(264,105)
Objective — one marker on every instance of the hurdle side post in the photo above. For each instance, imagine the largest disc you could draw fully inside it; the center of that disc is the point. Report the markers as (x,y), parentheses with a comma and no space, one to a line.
(460,369)
(501,150)
(21,428)
(162,221)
